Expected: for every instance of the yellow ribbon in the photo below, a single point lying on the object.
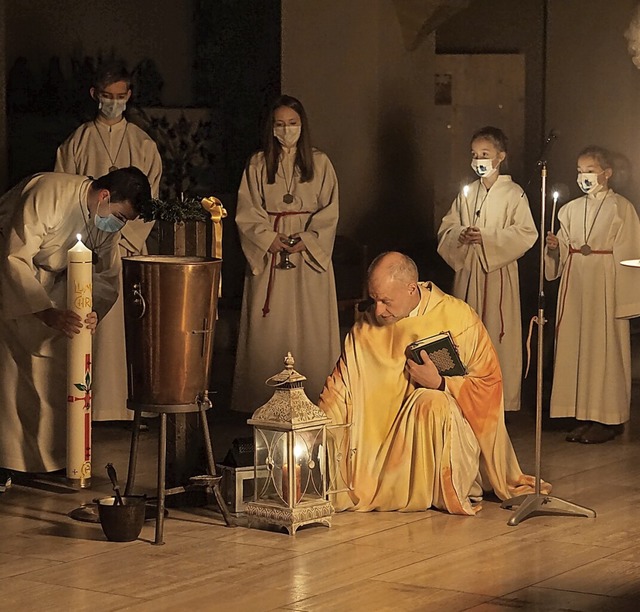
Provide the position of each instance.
(214, 207)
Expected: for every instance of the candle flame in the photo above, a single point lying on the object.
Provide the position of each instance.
(79, 237)
(556, 195)
(465, 190)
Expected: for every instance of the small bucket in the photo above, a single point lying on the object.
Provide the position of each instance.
(122, 523)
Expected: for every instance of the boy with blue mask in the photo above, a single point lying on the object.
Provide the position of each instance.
(111, 223)
(596, 298)
(40, 219)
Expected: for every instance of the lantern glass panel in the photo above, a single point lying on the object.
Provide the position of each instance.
(309, 448)
(270, 457)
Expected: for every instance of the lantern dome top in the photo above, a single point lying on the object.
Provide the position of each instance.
(287, 378)
(289, 408)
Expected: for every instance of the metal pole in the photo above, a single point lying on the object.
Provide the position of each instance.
(537, 502)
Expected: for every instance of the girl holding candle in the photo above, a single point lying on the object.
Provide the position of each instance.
(596, 297)
(487, 229)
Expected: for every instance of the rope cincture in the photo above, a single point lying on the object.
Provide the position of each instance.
(563, 296)
(272, 267)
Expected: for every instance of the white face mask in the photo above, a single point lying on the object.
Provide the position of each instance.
(111, 109)
(484, 168)
(588, 181)
(287, 135)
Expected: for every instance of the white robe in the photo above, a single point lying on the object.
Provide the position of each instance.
(486, 275)
(303, 317)
(85, 152)
(596, 297)
(39, 221)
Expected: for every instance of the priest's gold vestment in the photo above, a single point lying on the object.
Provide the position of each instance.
(412, 448)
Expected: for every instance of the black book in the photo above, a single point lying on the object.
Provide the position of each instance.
(442, 351)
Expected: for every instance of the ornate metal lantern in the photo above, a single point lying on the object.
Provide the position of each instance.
(290, 479)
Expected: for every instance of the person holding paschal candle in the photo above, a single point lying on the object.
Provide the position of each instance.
(596, 298)
(40, 219)
(487, 229)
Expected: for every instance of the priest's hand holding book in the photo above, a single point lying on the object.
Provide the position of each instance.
(425, 374)
(430, 359)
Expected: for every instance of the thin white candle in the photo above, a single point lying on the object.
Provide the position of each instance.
(553, 210)
(80, 301)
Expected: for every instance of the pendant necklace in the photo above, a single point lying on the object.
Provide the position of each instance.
(478, 210)
(113, 160)
(90, 238)
(585, 249)
(287, 198)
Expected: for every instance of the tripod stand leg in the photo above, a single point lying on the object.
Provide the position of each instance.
(513, 501)
(544, 504)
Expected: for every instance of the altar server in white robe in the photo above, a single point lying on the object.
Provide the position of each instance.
(288, 189)
(487, 229)
(95, 148)
(596, 297)
(39, 221)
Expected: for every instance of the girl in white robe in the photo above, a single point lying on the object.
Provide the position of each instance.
(487, 229)
(288, 190)
(596, 297)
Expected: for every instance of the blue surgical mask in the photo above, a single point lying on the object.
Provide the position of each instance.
(110, 223)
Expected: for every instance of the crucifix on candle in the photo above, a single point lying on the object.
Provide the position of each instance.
(80, 301)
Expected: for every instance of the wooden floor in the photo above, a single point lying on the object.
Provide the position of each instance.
(375, 561)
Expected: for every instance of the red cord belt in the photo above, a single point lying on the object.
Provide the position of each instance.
(272, 269)
(563, 295)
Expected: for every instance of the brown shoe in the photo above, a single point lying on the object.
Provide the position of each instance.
(599, 433)
(575, 434)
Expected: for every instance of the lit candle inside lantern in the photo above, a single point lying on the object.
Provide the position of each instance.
(556, 195)
(80, 301)
(297, 475)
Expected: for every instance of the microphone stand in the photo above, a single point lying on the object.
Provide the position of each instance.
(537, 503)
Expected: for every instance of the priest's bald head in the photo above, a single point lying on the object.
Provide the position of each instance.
(393, 286)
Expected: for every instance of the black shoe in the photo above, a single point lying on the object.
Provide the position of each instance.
(599, 433)
(5, 480)
(575, 435)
